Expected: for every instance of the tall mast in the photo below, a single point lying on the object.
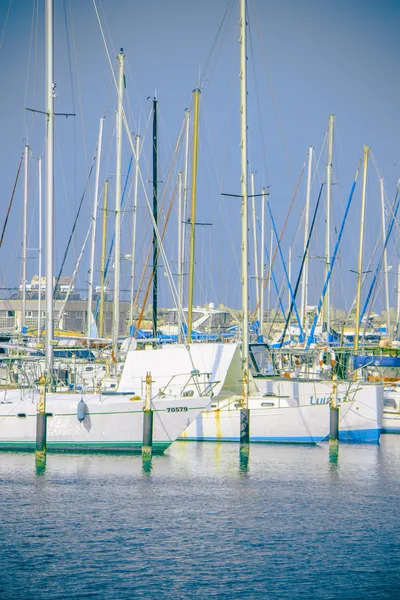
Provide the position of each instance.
(361, 247)
(326, 308)
(253, 210)
(49, 187)
(103, 262)
(196, 96)
(271, 246)
(289, 276)
(134, 221)
(398, 301)
(94, 223)
(244, 204)
(262, 254)
(304, 280)
(180, 256)
(24, 234)
(39, 319)
(117, 253)
(185, 191)
(385, 265)
(155, 216)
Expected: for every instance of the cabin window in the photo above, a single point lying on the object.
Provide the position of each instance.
(21, 415)
(267, 403)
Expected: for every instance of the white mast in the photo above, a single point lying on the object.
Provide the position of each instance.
(304, 279)
(361, 249)
(180, 256)
(262, 261)
(118, 187)
(244, 206)
(24, 234)
(253, 206)
(49, 187)
(271, 245)
(398, 301)
(94, 223)
(326, 320)
(39, 319)
(134, 221)
(289, 277)
(385, 265)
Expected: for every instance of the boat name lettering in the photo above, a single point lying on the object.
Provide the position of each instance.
(322, 400)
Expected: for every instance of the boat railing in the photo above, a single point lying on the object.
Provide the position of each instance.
(189, 384)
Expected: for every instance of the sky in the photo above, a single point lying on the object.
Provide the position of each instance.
(306, 60)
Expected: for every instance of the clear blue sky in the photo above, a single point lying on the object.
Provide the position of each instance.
(306, 60)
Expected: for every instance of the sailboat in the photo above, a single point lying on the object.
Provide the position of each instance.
(96, 421)
(281, 409)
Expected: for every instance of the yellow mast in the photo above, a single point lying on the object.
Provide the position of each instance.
(361, 248)
(196, 96)
(103, 262)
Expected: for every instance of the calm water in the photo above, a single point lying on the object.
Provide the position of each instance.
(202, 524)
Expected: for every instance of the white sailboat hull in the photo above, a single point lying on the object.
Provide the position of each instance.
(291, 420)
(112, 422)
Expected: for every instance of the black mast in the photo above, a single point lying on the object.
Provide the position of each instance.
(155, 214)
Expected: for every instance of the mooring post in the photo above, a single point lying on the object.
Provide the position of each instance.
(244, 426)
(244, 411)
(147, 420)
(334, 415)
(41, 423)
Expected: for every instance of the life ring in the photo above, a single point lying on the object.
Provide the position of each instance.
(322, 359)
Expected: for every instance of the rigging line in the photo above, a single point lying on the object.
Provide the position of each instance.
(74, 225)
(391, 215)
(301, 266)
(208, 60)
(74, 274)
(332, 261)
(84, 141)
(284, 141)
(394, 252)
(388, 234)
(174, 291)
(285, 270)
(31, 37)
(364, 276)
(5, 24)
(111, 249)
(266, 278)
(11, 200)
(264, 152)
(178, 143)
(69, 52)
(139, 321)
(221, 205)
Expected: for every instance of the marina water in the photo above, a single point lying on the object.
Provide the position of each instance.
(203, 522)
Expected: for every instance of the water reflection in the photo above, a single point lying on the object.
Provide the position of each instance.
(147, 464)
(40, 462)
(334, 453)
(244, 456)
